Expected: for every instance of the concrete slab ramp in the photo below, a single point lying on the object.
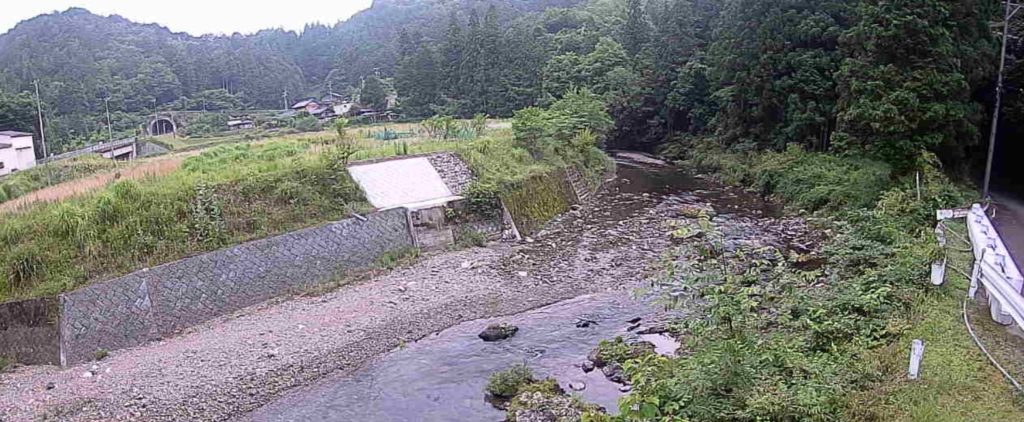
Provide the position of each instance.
(395, 183)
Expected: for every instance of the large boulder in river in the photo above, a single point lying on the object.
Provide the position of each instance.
(498, 332)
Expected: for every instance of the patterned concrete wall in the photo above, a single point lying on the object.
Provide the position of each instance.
(29, 333)
(154, 303)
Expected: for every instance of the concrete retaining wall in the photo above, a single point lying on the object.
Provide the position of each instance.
(158, 302)
(29, 332)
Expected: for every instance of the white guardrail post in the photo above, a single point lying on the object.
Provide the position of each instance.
(995, 270)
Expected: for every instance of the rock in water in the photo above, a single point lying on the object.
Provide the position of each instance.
(587, 366)
(614, 373)
(498, 332)
(577, 385)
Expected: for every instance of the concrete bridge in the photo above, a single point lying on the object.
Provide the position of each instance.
(123, 149)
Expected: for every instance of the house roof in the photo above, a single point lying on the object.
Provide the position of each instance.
(239, 122)
(320, 110)
(14, 133)
(303, 103)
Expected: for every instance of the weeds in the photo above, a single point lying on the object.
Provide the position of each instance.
(506, 384)
(468, 238)
(398, 258)
(227, 195)
(777, 343)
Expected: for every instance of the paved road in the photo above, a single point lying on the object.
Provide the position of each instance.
(1009, 222)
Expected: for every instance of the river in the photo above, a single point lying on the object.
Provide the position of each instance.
(442, 377)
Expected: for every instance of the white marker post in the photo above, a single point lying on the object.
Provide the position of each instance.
(916, 355)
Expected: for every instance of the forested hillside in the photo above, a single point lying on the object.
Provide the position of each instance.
(80, 59)
(887, 78)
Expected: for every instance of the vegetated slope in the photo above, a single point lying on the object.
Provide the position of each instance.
(235, 193)
(81, 58)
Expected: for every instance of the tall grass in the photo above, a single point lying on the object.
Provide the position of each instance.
(227, 195)
(27, 181)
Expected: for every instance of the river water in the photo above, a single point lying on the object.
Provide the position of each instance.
(442, 377)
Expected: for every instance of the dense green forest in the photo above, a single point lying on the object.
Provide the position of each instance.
(881, 77)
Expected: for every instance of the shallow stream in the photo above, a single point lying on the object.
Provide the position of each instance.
(442, 377)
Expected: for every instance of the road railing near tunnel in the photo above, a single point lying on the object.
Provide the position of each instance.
(994, 270)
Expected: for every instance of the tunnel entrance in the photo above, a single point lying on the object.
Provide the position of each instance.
(162, 127)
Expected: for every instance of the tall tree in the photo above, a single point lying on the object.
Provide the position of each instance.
(636, 33)
(903, 85)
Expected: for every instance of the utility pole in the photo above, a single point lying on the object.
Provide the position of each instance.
(39, 110)
(42, 133)
(1011, 10)
(110, 132)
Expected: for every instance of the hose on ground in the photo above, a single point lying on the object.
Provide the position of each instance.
(977, 341)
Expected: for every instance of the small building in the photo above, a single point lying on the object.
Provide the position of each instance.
(307, 105)
(240, 124)
(323, 113)
(16, 152)
(344, 109)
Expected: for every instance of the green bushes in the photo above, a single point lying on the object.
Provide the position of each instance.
(812, 181)
(781, 344)
(565, 131)
(306, 123)
(226, 195)
(506, 384)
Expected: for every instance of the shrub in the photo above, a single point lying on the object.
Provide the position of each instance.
(306, 124)
(468, 238)
(776, 343)
(506, 384)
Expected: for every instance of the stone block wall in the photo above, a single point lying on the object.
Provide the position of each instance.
(455, 173)
(29, 333)
(158, 302)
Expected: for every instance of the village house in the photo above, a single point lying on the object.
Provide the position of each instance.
(16, 152)
(308, 105)
(239, 124)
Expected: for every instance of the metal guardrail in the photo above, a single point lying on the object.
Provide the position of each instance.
(995, 270)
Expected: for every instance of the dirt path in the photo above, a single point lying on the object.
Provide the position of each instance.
(235, 364)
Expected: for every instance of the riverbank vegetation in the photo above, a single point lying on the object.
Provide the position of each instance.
(773, 342)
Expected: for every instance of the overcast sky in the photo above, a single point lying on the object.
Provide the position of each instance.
(197, 17)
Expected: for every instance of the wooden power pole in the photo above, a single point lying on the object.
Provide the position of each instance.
(1011, 10)
(39, 110)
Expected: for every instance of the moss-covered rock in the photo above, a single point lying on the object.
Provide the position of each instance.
(545, 401)
(619, 351)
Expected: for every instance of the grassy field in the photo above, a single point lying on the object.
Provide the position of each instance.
(186, 203)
